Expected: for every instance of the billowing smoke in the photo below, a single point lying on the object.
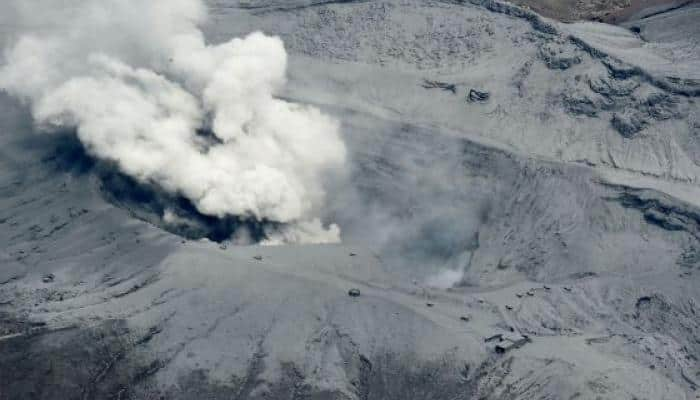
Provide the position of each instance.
(144, 91)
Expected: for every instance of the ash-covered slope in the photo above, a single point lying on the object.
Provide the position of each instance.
(521, 220)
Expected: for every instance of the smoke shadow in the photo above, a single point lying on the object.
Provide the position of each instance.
(146, 201)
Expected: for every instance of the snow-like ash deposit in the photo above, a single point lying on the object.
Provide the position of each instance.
(138, 83)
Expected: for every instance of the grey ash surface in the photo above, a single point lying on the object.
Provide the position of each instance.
(563, 209)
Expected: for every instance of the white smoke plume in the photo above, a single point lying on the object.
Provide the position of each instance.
(137, 81)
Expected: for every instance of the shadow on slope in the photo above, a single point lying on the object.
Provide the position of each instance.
(148, 202)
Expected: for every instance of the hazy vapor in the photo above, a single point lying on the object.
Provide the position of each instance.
(140, 85)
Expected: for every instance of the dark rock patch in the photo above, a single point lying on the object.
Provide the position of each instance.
(612, 87)
(580, 105)
(628, 124)
(477, 96)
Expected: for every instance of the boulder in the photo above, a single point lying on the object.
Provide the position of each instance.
(478, 96)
